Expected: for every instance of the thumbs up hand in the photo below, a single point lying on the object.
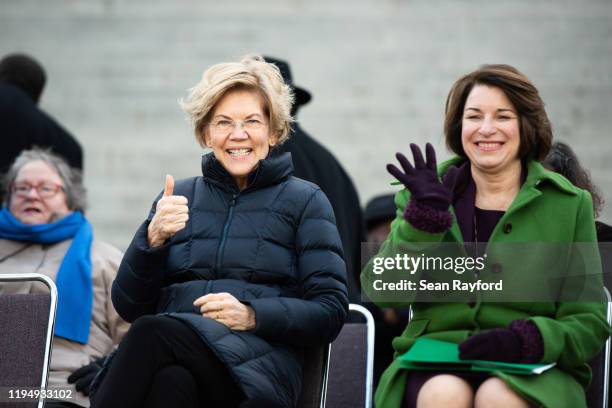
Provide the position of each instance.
(171, 216)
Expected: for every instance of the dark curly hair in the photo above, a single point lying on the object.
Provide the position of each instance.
(563, 160)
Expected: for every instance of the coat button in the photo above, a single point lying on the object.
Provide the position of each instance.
(496, 268)
(507, 228)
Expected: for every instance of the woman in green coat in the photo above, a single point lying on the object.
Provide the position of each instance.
(496, 192)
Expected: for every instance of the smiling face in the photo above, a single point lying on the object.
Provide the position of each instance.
(26, 203)
(239, 134)
(490, 132)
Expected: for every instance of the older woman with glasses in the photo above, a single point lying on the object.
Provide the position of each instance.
(43, 230)
(234, 272)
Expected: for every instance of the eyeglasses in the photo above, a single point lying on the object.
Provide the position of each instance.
(225, 126)
(44, 190)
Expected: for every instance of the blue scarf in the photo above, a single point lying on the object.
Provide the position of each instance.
(73, 280)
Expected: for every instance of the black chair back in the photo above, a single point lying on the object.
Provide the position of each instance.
(26, 329)
(351, 364)
(314, 383)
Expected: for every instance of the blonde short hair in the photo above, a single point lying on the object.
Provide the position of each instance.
(252, 73)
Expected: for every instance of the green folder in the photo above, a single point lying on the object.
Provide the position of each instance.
(430, 354)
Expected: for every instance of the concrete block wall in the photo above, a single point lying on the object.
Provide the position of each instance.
(379, 71)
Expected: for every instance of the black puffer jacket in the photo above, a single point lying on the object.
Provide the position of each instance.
(274, 246)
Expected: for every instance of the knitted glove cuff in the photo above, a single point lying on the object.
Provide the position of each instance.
(532, 345)
(428, 219)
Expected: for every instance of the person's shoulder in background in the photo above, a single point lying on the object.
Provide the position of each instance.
(604, 232)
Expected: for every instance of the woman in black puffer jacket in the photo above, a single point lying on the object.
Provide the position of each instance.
(233, 273)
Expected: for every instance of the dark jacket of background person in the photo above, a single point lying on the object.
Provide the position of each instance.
(274, 246)
(604, 235)
(314, 163)
(23, 125)
(563, 160)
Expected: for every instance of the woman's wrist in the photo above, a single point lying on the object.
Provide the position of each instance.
(427, 218)
(251, 321)
(153, 237)
(532, 344)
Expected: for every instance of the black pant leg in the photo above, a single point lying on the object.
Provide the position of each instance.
(156, 342)
(173, 386)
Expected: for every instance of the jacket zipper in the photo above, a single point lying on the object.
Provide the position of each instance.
(226, 226)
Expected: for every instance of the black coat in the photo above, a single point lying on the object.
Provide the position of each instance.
(274, 246)
(313, 162)
(23, 125)
(604, 236)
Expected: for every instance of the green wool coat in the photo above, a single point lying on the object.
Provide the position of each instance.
(548, 208)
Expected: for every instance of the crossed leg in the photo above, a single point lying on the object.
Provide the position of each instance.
(495, 393)
(445, 390)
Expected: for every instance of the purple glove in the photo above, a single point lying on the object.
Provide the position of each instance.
(521, 342)
(422, 179)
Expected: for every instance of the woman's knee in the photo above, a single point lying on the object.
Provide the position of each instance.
(173, 375)
(445, 391)
(145, 329)
(495, 393)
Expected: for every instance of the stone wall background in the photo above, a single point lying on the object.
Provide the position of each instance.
(379, 71)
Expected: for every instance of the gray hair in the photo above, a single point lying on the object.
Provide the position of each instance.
(76, 195)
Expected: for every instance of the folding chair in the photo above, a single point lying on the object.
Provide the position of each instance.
(26, 334)
(314, 384)
(351, 371)
(598, 393)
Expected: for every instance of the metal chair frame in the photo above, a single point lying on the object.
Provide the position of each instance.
(325, 377)
(369, 321)
(322, 385)
(606, 378)
(28, 277)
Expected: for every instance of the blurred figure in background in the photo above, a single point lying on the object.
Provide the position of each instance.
(563, 160)
(378, 215)
(313, 162)
(22, 124)
(43, 230)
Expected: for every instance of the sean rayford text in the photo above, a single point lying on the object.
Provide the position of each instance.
(412, 264)
(424, 285)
